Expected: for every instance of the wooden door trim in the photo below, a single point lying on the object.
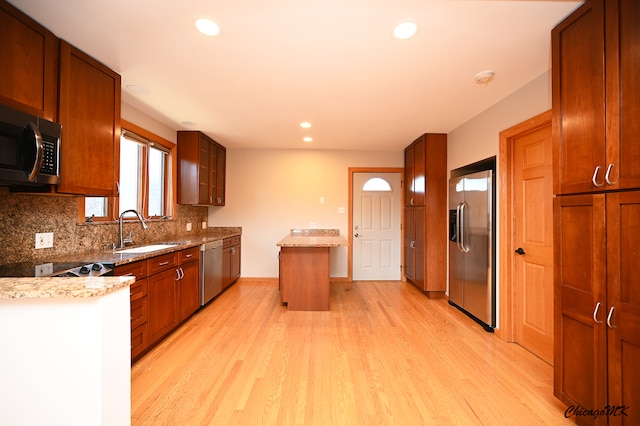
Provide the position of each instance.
(353, 170)
(505, 212)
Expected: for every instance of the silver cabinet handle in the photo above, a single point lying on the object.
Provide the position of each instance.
(412, 244)
(411, 201)
(609, 318)
(595, 314)
(595, 175)
(608, 174)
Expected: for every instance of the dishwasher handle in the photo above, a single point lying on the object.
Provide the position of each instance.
(211, 245)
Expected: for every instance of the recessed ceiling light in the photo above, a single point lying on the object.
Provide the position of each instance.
(305, 124)
(307, 139)
(207, 27)
(139, 90)
(188, 123)
(405, 30)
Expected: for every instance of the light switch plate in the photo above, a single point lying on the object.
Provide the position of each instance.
(188, 226)
(44, 240)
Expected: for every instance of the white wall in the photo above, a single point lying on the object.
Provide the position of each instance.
(269, 192)
(479, 138)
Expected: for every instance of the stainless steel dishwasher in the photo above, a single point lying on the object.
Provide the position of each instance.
(210, 271)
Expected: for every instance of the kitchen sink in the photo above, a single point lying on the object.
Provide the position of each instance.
(146, 249)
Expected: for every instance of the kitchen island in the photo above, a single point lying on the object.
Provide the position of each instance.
(65, 351)
(304, 268)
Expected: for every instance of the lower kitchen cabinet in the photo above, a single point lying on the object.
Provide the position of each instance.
(597, 304)
(162, 304)
(188, 284)
(231, 250)
(166, 293)
(139, 304)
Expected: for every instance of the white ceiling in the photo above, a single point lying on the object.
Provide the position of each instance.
(334, 63)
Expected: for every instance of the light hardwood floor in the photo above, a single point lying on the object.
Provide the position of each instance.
(384, 354)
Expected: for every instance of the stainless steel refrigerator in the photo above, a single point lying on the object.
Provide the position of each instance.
(471, 246)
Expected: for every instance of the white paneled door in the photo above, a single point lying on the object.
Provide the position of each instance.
(376, 226)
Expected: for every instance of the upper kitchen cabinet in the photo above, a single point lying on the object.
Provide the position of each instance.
(201, 170)
(29, 68)
(596, 98)
(89, 113)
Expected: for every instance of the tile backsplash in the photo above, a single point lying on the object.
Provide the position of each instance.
(24, 215)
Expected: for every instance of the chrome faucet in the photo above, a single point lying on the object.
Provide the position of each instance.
(144, 225)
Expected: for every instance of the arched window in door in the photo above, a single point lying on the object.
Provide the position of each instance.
(376, 184)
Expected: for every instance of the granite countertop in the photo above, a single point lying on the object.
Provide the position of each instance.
(313, 238)
(49, 287)
(18, 280)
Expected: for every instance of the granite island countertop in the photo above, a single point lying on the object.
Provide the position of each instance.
(313, 238)
(52, 287)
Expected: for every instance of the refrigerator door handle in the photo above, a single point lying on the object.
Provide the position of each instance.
(463, 247)
(459, 235)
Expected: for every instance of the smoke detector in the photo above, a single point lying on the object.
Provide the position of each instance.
(484, 77)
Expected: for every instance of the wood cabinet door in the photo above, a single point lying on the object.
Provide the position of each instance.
(409, 238)
(226, 267)
(29, 65)
(162, 304)
(578, 99)
(623, 307)
(580, 305)
(221, 170)
(188, 290)
(419, 248)
(408, 175)
(235, 261)
(623, 94)
(204, 174)
(89, 112)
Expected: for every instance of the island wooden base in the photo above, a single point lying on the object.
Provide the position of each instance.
(304, 278)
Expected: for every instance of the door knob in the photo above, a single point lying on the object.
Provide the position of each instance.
(520, 251)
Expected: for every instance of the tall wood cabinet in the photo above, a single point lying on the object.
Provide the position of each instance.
(201, 170)
(425, 214)
(29, 67)
(597, 209)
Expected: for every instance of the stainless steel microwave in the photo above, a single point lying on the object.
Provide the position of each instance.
(29, 149)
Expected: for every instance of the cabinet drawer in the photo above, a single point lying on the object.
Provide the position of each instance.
(138, 340)
(138, 289)
(189, 254)
(231, 241)
(135, 269)
(161, 263)
(139, 312)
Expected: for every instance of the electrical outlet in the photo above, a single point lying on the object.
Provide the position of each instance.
(188, 226)
(204, 225)
(44, 240)
(313, 225)
(44, 269)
